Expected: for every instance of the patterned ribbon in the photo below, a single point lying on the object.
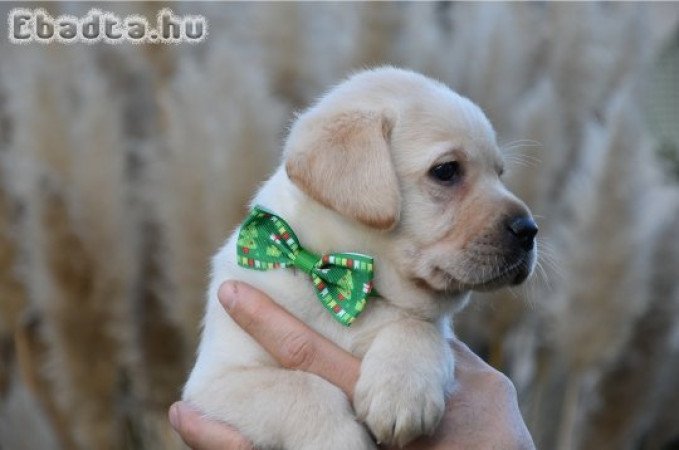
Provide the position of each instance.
(342, 281)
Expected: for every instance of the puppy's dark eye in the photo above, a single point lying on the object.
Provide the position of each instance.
(447, 173)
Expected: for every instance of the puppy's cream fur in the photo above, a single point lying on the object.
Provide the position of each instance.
(356, 178)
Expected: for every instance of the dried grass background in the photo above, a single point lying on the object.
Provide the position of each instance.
(122, 168)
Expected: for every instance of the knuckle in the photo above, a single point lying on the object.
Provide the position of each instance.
(298, 351)
(500, 383)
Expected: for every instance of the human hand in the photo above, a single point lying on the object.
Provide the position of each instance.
(481, 413)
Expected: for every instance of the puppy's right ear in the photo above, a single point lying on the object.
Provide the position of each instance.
(343, 161)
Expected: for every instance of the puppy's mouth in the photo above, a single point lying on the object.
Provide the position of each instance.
(508, 274)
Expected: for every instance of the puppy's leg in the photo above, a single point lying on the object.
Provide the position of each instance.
(405, 376)
(279, 408)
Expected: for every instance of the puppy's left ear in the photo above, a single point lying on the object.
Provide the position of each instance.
(343, 161)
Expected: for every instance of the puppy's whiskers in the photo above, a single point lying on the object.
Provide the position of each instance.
(512, 292)
(521, 142)
(541, 275)
(547, 255)
(515, 157)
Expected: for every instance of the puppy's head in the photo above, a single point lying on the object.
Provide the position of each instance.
(402, 153)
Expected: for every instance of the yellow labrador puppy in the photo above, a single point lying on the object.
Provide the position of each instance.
(399, 167)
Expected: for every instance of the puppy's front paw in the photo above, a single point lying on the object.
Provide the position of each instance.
(398, 406)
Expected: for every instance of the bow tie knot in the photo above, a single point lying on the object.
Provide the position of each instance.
(342, 281)
(306, 261)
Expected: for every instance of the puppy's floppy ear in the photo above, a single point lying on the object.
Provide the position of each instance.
(343, 161)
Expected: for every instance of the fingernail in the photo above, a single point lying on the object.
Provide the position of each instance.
(174, 416)
(228, 293)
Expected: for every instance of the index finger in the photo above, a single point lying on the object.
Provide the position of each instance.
(290, 341)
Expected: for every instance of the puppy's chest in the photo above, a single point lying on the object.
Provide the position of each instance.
(293, 289)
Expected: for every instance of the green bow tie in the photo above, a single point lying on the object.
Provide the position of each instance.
(342, 281)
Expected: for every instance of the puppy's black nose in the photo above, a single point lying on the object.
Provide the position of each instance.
(524, 229)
